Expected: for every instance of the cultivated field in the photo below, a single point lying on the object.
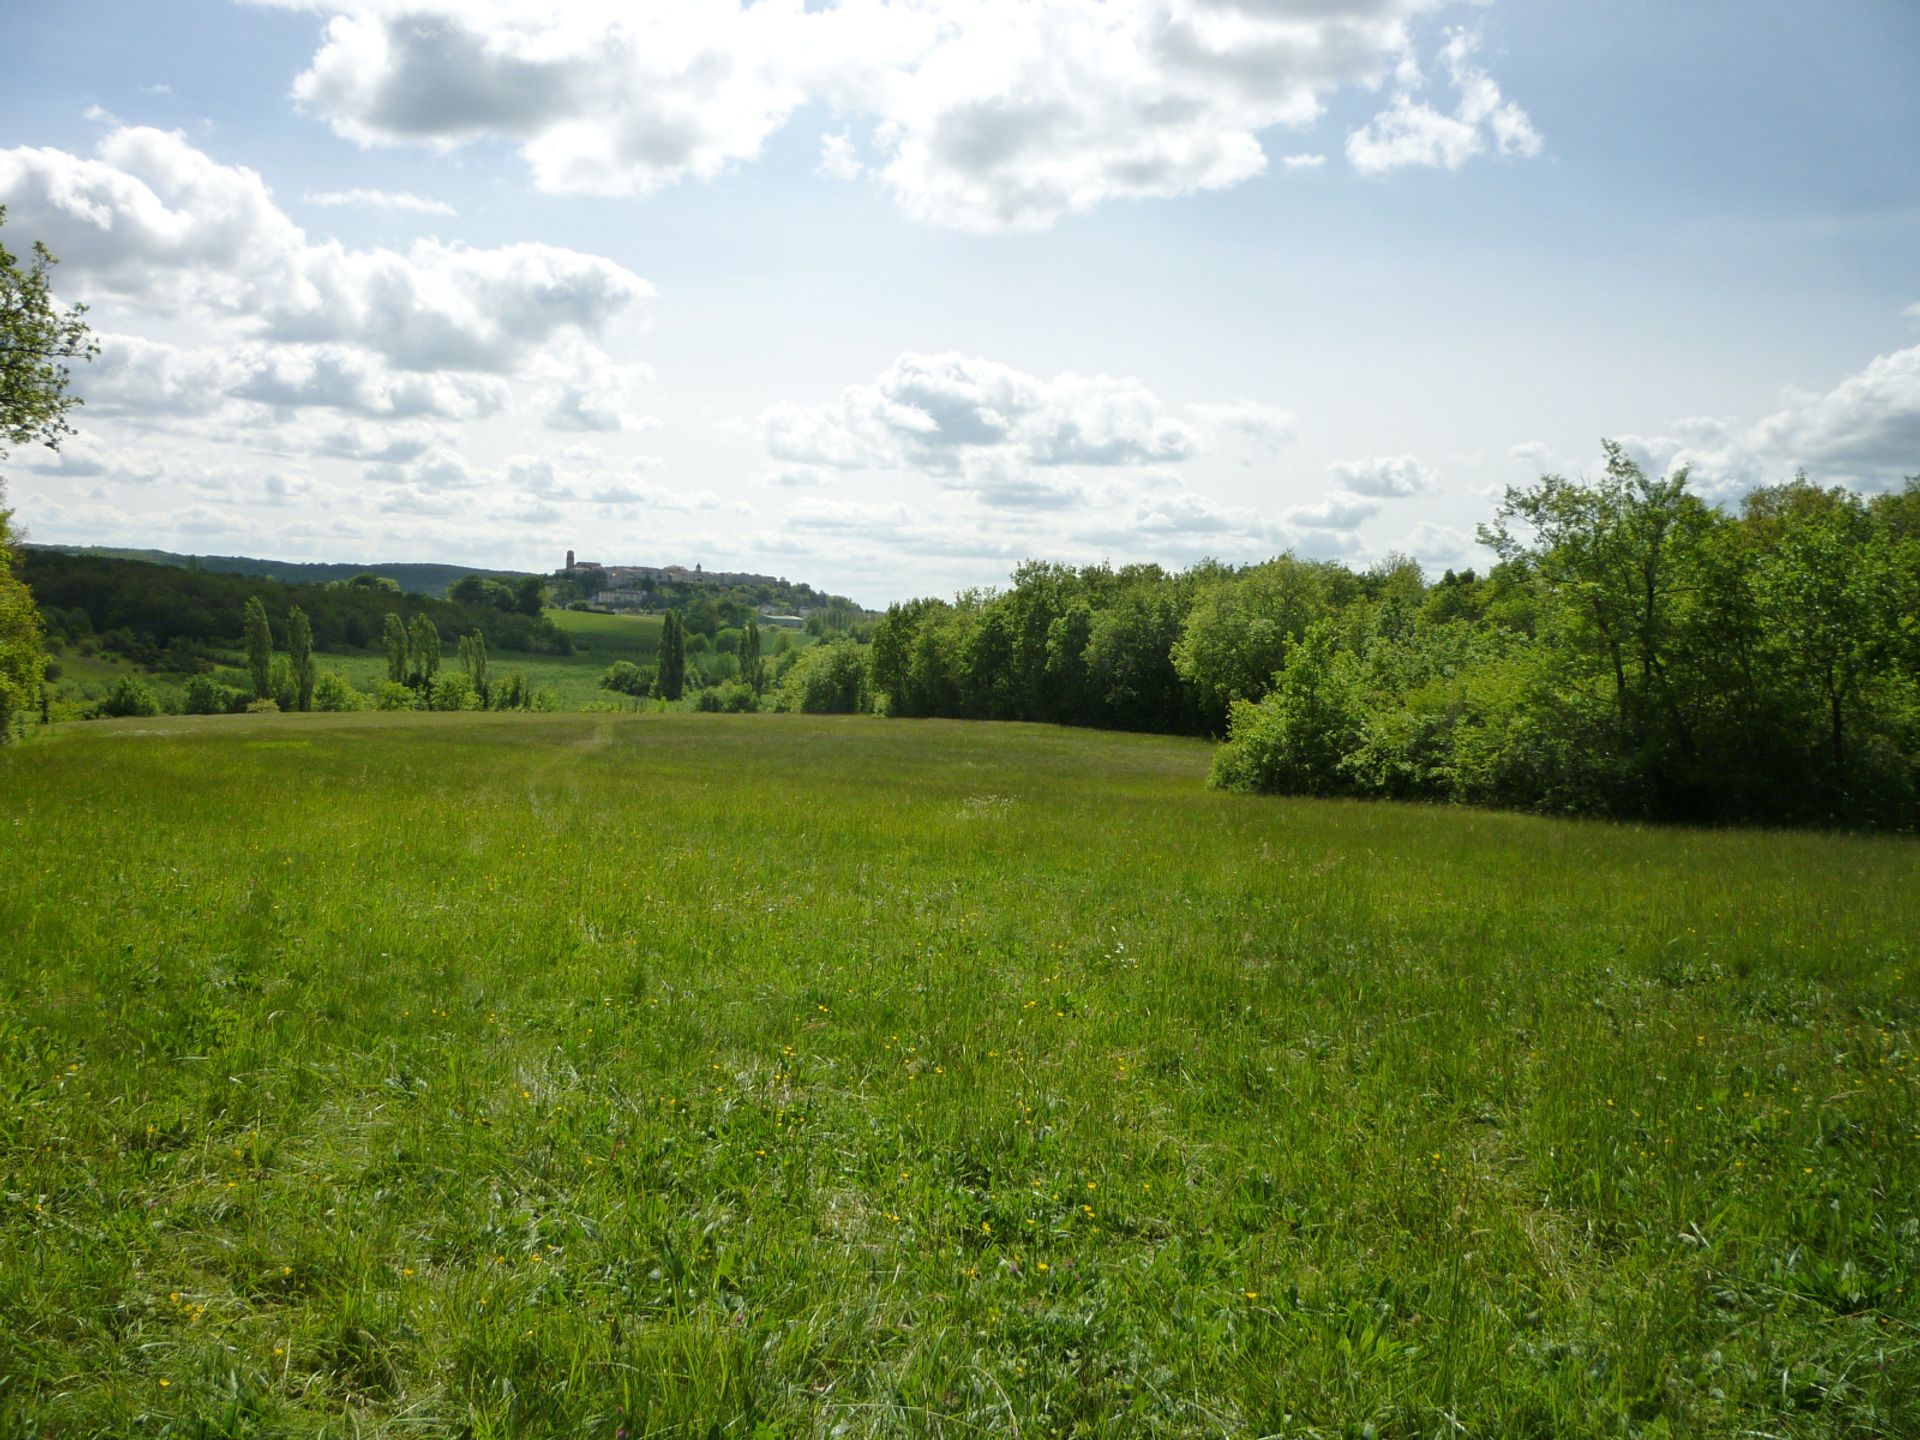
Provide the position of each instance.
(762, 1076)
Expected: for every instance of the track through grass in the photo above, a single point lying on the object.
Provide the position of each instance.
(772, 1076)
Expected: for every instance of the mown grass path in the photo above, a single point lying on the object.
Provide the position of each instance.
(771, 1076)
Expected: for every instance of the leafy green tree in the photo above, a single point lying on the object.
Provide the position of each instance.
(259, 643)
(672, 675)
(37, 338)
(1238, 632)
(530, 595)
(753, 666)
(473, 658)
(393, 640)
(300, 656)
(423, 652)
(22, 657)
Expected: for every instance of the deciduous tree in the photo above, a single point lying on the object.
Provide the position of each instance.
(259, 640)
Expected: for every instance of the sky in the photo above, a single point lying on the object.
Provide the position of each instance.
(889, 295)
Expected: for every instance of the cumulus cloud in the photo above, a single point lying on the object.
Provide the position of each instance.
(399, 201)
(1412, 132)
(1530, 453)
(838, 158)
(151, 218)
(1385, 476)
(1340, 510)
(982, 114)
(975, 424)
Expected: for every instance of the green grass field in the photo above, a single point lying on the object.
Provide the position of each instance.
(486, 1075)
(572, 680)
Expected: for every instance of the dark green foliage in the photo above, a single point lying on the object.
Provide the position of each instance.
(407, 577)
(423, 652)
(206, 696)
(627, 678)
(393, 641)
(671, 678)
(729, 698)
(22, 664)
(473, 659)
(830, 678)
(1636, 653)
(753, 666)
(300, 657)
(130, 696)
(147, 607)
(259, 645)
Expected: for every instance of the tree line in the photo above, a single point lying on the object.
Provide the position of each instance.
(169, 618)
(1632, 652)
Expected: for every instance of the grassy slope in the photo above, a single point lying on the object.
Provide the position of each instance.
(574, 679)
(541, 1075)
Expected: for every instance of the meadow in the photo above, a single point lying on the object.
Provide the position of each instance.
(571, 681)
(776, 1076)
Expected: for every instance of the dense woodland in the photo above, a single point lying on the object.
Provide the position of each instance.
(1634, 652)
(169, 618)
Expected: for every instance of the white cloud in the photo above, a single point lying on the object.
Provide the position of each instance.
(1864, 432)
(1531, 453)
(401, 201)
(154, 220)
(838, 158)
(1437, 547)
(1388, 476)
(1340, 510)
(983, 114)
(1412, 132)
(1912, 312)
(975, 424)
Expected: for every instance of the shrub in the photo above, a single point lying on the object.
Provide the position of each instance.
(392, 695)
(263, 707)
(129, 697)
(731, 698)
(627, 678)
(333, 692)
(205, 695)
(827, 679)
(452, 690)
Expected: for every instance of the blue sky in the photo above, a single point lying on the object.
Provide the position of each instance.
(1075, 303)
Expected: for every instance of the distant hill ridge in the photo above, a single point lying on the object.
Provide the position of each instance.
(414, 577)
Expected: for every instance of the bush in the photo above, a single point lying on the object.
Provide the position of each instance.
(452, 690)
(731, 698)
(392, 695)
(827, 679)
(129, 697)
(627, 678)
(263, 707)
(333, 692)
(205, 695)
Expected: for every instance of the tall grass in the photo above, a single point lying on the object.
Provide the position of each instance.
(766, 1076)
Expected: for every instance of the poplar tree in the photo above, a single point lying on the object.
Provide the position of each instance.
(423, 651)
(259, 648)
(753, 669)
(473, 655)
(393, 640)
(672, 678)
(300, 652)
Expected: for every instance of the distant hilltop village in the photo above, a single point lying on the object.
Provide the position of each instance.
(618, 576)
(589, 585)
